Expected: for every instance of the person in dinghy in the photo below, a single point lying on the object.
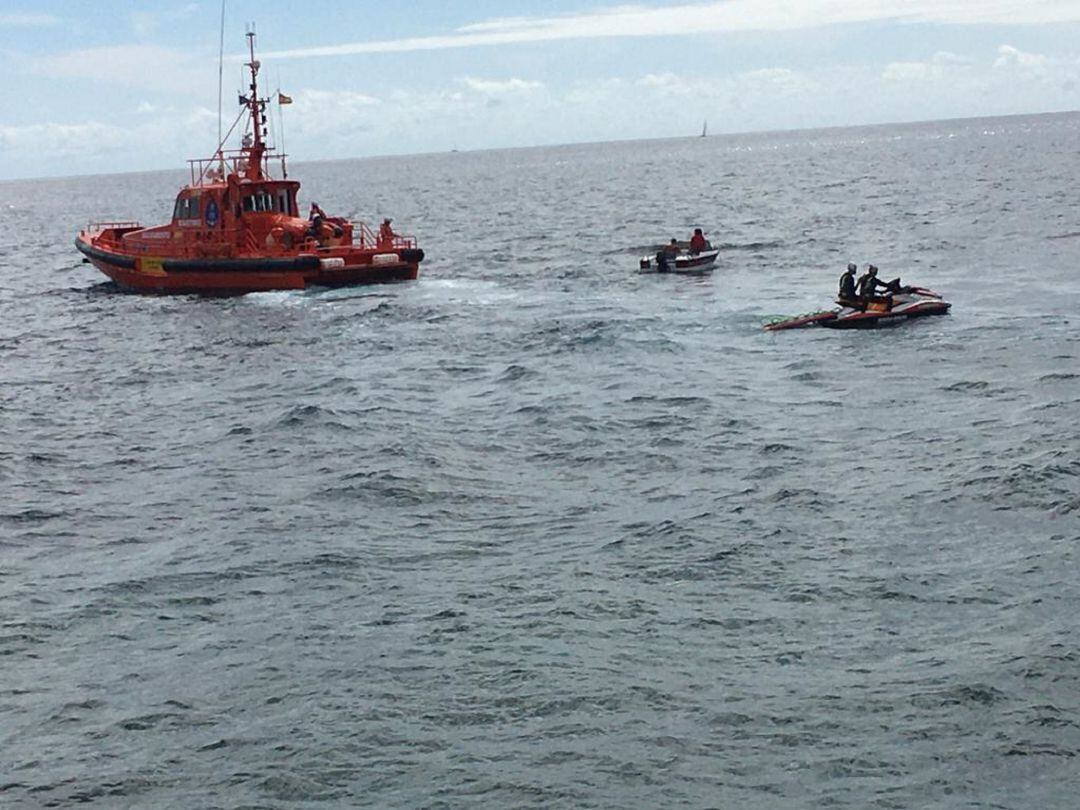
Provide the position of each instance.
(665, 257)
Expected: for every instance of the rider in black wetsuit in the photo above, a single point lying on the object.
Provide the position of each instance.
(847, 283)
(869, 282)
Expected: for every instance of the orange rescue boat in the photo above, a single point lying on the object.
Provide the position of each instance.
(236, 229)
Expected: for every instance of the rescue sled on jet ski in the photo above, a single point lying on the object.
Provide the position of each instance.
(901, 305)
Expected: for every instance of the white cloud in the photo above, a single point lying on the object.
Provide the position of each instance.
(29, 18)
(907, 71)
(770, 74)
(717, 16)
(596, 94)
(161, 138)
(490, 87)
(341, 112)
(503, 24)
(1010, 58)
(774, 83)
(779, 81)
(667, 85)
(144, 66)
(668, 81)
(312, 101)
(147, 23)
(939, 65)
(62, 140)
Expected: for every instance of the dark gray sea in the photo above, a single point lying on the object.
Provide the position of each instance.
(540, 531)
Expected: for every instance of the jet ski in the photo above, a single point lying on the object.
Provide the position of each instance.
(901, 304)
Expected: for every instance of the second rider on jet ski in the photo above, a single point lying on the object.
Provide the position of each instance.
(869, 282)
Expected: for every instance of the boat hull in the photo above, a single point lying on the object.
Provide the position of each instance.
(682, 263)
(237, 276)
(855, 319)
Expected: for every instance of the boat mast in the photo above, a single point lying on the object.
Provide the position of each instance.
(256, 106)
(220, 75)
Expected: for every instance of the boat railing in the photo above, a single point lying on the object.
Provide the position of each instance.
(222, 242)
(364, 237)
(211, 170)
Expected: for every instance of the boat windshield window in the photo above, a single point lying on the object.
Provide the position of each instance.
(259, 201)
(187, 208)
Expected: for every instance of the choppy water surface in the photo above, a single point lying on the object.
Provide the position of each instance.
(539, 531)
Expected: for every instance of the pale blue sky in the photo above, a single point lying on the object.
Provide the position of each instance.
(123, 86)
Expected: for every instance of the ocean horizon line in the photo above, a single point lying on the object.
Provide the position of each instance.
(570, 144)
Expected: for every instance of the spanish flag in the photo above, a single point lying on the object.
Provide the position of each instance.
(283, 99)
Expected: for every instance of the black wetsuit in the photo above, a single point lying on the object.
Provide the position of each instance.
(847, 286)
(867, 284)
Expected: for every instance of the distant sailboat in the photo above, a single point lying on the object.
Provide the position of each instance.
(704, 129)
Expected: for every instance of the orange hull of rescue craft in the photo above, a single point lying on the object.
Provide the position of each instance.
(236, 229)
